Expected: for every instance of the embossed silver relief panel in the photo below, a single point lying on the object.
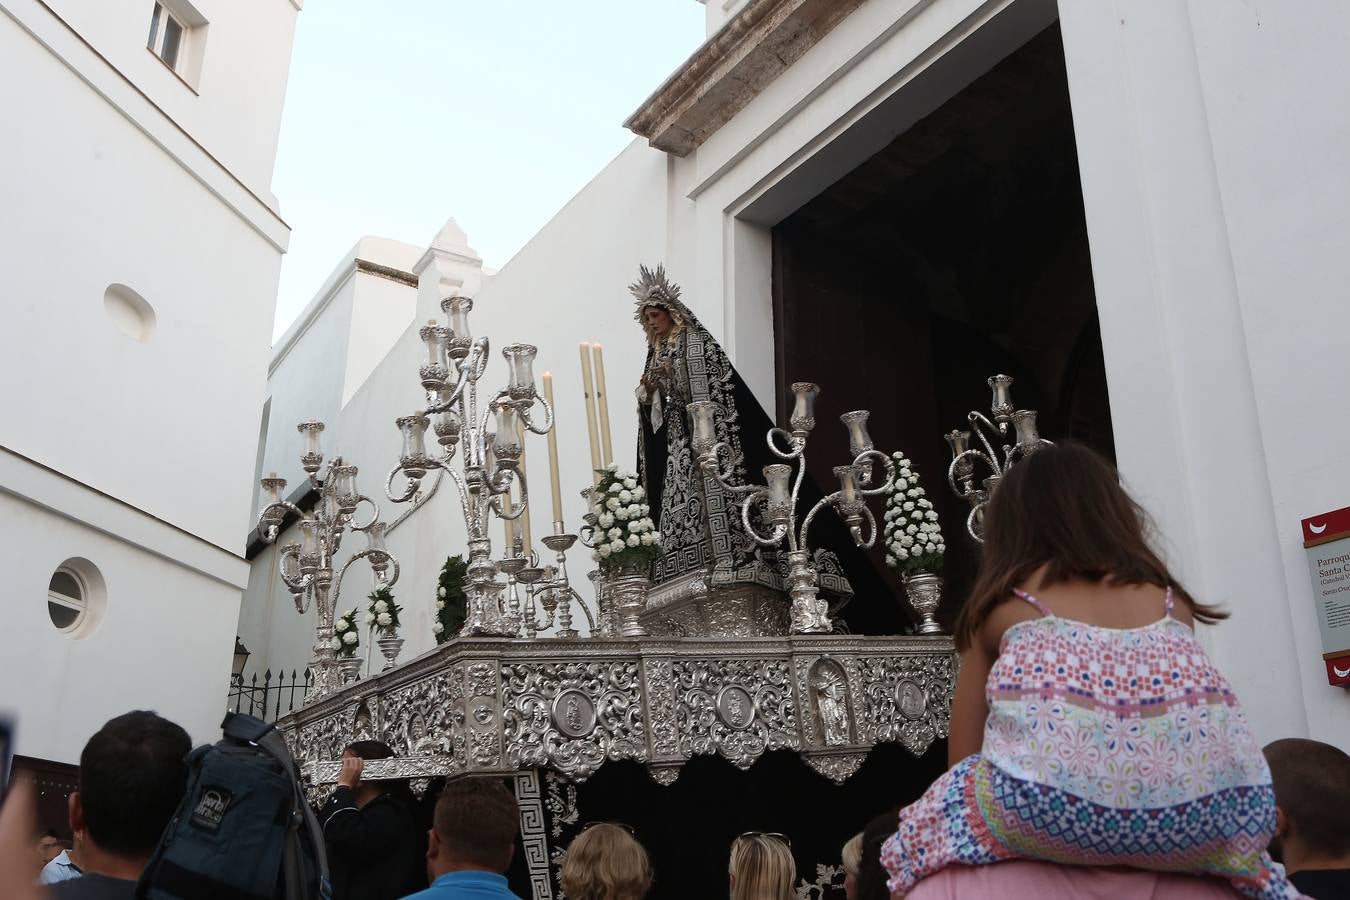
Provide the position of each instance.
(688, 607)
(737, 708)
(906, 699)
(572, 716)
(571, 707)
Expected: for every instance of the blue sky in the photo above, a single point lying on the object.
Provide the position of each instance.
(402, 113)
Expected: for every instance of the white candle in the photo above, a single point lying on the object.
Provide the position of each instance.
(508, 525)
(588, 391)
(524, 519)
(602, 396)
(556, 482)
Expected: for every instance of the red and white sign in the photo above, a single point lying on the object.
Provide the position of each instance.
(1326, 541)
(1338, 671)
(1326, 527)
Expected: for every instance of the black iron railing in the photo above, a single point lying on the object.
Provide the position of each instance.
(271, 696)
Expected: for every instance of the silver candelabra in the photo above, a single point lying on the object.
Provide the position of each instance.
(307, 567)
(777, 499)
(490, 463)
(961, 475)
(549, 594)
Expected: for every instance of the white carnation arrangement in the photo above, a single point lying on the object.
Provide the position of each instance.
(345, 636)
(912, 536)
(382, 613)
(625, 534)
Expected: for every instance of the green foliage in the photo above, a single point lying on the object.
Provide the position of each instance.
(452, 604)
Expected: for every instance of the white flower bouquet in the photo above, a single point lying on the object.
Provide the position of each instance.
(625, 534)
(345, 636)
(912, 537)
(382, 613)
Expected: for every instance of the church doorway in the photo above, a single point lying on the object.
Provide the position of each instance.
(956, 252)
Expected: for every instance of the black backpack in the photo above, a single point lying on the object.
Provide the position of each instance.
(244, 830)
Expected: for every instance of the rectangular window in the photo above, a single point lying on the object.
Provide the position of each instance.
(167, 33)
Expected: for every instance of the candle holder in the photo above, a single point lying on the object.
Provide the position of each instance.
(489, 464)
(306, 568)
(961, 472)
(776, 500)
(550, 595)
(605, 624)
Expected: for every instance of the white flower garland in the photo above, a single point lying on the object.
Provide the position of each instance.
(345, 636)
(382, 613)
(912, 536)
(625, 534)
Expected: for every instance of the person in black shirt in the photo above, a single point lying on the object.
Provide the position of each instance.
(1312, 815)
(132, 777)
(375, 848)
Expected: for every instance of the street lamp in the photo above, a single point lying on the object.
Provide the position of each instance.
(241, 655)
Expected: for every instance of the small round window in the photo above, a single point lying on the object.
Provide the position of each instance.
(67, 600)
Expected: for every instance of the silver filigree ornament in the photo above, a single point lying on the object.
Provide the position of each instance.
(488, 477)
(961, 471)
(775, 502)
(497, 707)
(308, 568)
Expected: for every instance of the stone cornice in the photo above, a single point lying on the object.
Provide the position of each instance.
(371, 268)
(731, 68)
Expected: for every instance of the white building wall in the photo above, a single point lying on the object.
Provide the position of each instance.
(232, 105)
(100, 185)
(163, 639)
(1237, 276)
(1285, 188)
(333, 346)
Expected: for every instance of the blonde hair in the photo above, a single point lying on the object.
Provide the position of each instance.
(605, 862)
(851, 855)
(761, 868)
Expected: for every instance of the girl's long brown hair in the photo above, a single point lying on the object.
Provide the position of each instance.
(1063, 507)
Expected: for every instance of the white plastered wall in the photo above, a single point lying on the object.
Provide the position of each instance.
(167, 598)
(1215, 188)
(233, 106)
(134, 455)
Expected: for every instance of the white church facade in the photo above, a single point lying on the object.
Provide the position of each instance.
(141, 246)
(1193, 326)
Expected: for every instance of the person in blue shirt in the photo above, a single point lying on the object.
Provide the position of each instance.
(471, 842)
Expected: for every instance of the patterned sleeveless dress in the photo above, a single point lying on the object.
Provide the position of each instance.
(1106, 747)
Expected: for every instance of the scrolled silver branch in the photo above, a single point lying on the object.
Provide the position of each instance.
(306, 568)
(488, 470)
(549, 595)
(961, 472)
(776, 500)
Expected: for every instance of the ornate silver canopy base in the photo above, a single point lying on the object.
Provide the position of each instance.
(496, 706)
(688, 606)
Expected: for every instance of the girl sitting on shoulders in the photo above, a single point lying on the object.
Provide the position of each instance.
(1088, 727)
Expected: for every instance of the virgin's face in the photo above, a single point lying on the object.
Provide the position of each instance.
(656, 321)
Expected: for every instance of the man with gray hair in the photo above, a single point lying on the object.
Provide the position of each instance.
(1312, 815)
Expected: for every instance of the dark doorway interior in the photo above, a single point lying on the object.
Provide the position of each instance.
(957, 252)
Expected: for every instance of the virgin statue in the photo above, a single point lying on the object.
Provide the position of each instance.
(712, 578)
